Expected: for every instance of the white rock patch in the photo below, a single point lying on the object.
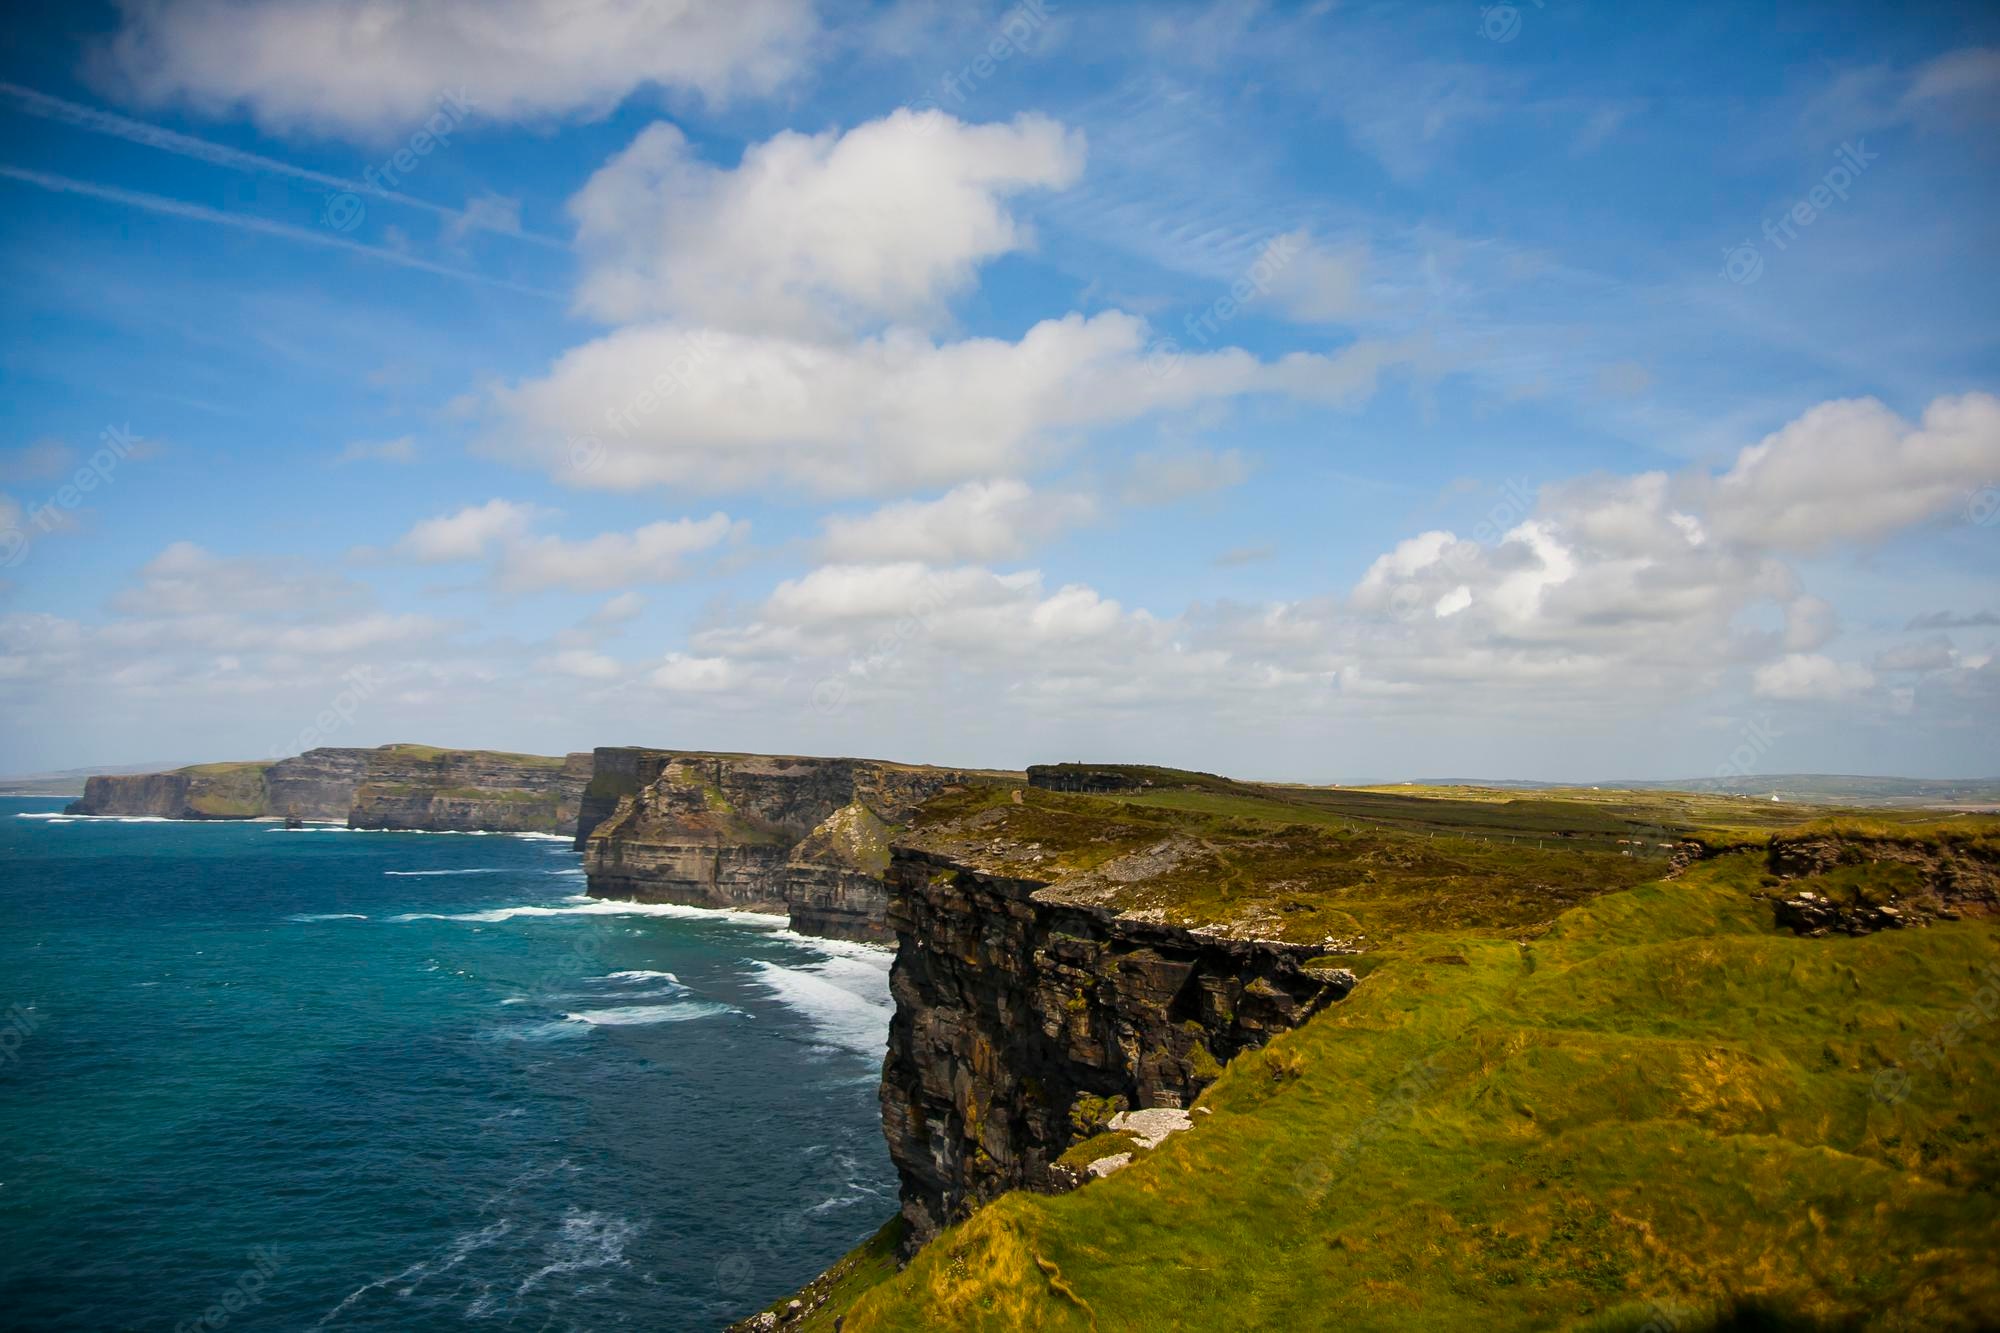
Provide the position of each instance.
(1152, 1127)
(1104, 1166)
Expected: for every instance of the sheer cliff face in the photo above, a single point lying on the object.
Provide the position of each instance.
(398, 787)
(318, 784)
(1011, 1005)
(165, 795)
(763, 833)
(470, 790)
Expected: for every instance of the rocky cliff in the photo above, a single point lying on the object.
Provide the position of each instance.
(393, 786)
(318, 784)
(414, 787)
(765, 833)
(1022, 1015)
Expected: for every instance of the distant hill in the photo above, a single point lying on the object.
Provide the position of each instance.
(1799, 788)
(67, 781)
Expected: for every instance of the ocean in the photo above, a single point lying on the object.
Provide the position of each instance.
(258, 1078)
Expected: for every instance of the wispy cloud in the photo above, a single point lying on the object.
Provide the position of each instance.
(178, 208)
(480, 216)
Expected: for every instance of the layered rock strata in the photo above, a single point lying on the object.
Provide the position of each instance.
(471, 791)
(392, 787)
(1017, 1010)
(764, 833)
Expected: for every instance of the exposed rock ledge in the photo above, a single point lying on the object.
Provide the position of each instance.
(1014, 1003)
(806, 837)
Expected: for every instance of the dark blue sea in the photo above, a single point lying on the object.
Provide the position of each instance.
(253, 1078)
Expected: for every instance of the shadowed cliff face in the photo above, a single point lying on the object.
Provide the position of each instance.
(1010, 1007)
(763, 833)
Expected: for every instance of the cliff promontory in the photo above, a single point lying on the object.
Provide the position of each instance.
(806, 837)
(1527, 1083)
(389, 787)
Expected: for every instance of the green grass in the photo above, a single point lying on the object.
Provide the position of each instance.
(1267, 865)
(1660, 1109)
(435, 754)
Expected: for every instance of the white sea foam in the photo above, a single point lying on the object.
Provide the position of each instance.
(481, 870)
(398, 832)
(584, 905)
(545, 837)
(327, 916)
(64, 817)
(446, 1260)
(587, 1240)
(635, 1015)
(847, 1009)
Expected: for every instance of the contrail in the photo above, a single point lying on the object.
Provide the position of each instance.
(159, 204)
(220, 155)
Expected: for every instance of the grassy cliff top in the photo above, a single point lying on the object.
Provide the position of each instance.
(1337, 866)
(1663, 1113)
(434, 754)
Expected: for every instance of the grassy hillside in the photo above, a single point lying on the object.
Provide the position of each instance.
(1653, 1110)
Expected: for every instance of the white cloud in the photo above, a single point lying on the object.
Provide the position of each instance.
(1809, 676)
(617, 610)
(585, 664)
(890, 413)
(653, 554)
(980, 520)
(486, 212)
(695, 675)
(1318, 285)
(376, 68)
(810, 234)
(466, 535)
(1852, 470)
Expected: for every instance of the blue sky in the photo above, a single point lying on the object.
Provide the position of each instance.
(1333, 392)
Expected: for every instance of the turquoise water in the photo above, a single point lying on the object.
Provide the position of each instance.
(254, 1078)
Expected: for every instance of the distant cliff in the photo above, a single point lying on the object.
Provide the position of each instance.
(392, 787)
(414, 787)
(765, 833)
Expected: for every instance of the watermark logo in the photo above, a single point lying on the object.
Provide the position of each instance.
(21, 1024)
(1742, 264)
(338, 715)
(117, 445)
(1500, 23)
(344, 210)
(246, 1291)
(1757, 738)
(1982, 507)
(1016, 33)
(585, 452)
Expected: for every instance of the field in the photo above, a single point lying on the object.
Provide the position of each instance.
(1594, 1101)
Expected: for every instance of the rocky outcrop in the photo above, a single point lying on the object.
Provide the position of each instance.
(392, 787)
(412, 787)
(1020, 1015)
(318, 784)
(763, 833)
(163, 795)
(1839, 882)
